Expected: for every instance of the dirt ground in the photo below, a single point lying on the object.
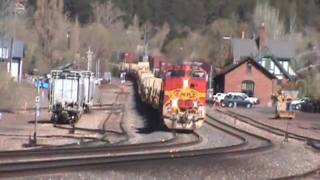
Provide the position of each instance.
(16, 129)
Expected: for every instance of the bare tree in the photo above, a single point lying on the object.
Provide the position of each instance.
(206, 44)
(75, 37)
(106, 13)
(6, 13)
(48, 18)
(271, 17)
(293, 17)
(157, 41)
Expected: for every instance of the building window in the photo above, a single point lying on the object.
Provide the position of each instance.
(249, 68)
(247, 87)
(268, 64)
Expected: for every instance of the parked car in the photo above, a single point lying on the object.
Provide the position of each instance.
(219, 97)
(253, 100)
(311, 105)
(296, 104)
(236, 100)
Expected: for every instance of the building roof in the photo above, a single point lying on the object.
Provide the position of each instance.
(242, 48)
(264, 52)
(252, 61)
(281, 49)
(18, 48)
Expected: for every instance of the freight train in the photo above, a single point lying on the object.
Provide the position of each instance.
(178, 92)
(71, 94)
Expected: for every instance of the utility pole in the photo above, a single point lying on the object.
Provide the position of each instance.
(12, 38)
(98, 68)
(10, 55)
(89, 58)
(210, 78)
(210, 90)
(146, 44)
(37, 109)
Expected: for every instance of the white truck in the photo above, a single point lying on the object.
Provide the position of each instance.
(71, 93)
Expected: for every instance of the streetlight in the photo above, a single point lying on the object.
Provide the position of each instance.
(89, 57)
(68, 39)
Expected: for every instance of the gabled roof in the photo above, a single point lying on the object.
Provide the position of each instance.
(281, 49)
(252, 61)
(18, 48)
(242, 48)
(267, 52)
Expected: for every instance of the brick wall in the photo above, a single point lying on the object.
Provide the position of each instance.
(263, 84)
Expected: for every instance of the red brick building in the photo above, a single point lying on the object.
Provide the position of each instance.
(247, 76)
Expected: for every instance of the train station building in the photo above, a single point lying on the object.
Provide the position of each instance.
(259, 66)
(12, 63)
(247, 76)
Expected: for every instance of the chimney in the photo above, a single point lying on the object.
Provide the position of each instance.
(262, 36)
(242, 34)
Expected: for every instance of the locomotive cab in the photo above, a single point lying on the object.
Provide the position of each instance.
(184, 97)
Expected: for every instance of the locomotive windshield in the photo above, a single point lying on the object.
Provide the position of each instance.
(181, 73)
(178, 73)
(198, 74)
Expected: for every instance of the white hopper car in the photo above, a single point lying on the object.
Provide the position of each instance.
(71, 94)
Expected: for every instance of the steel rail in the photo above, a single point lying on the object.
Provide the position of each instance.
(268, 128)
(222, 152)
(279, 132)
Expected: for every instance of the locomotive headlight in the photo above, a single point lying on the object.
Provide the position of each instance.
(202, 110)
(174, 103)
(195, 104)
(185, 83)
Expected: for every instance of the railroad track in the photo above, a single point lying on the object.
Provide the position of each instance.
(49, 159)
(12, 162)
(252, 143)
(114, 109)
(280, 132)
(271, 129)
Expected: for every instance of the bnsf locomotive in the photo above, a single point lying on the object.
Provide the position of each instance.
(177, 91)
(184, 100)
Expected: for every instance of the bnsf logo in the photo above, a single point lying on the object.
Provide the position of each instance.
(185, 93)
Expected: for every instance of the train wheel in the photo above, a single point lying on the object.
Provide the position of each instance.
(54, 119)
(86, 109)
